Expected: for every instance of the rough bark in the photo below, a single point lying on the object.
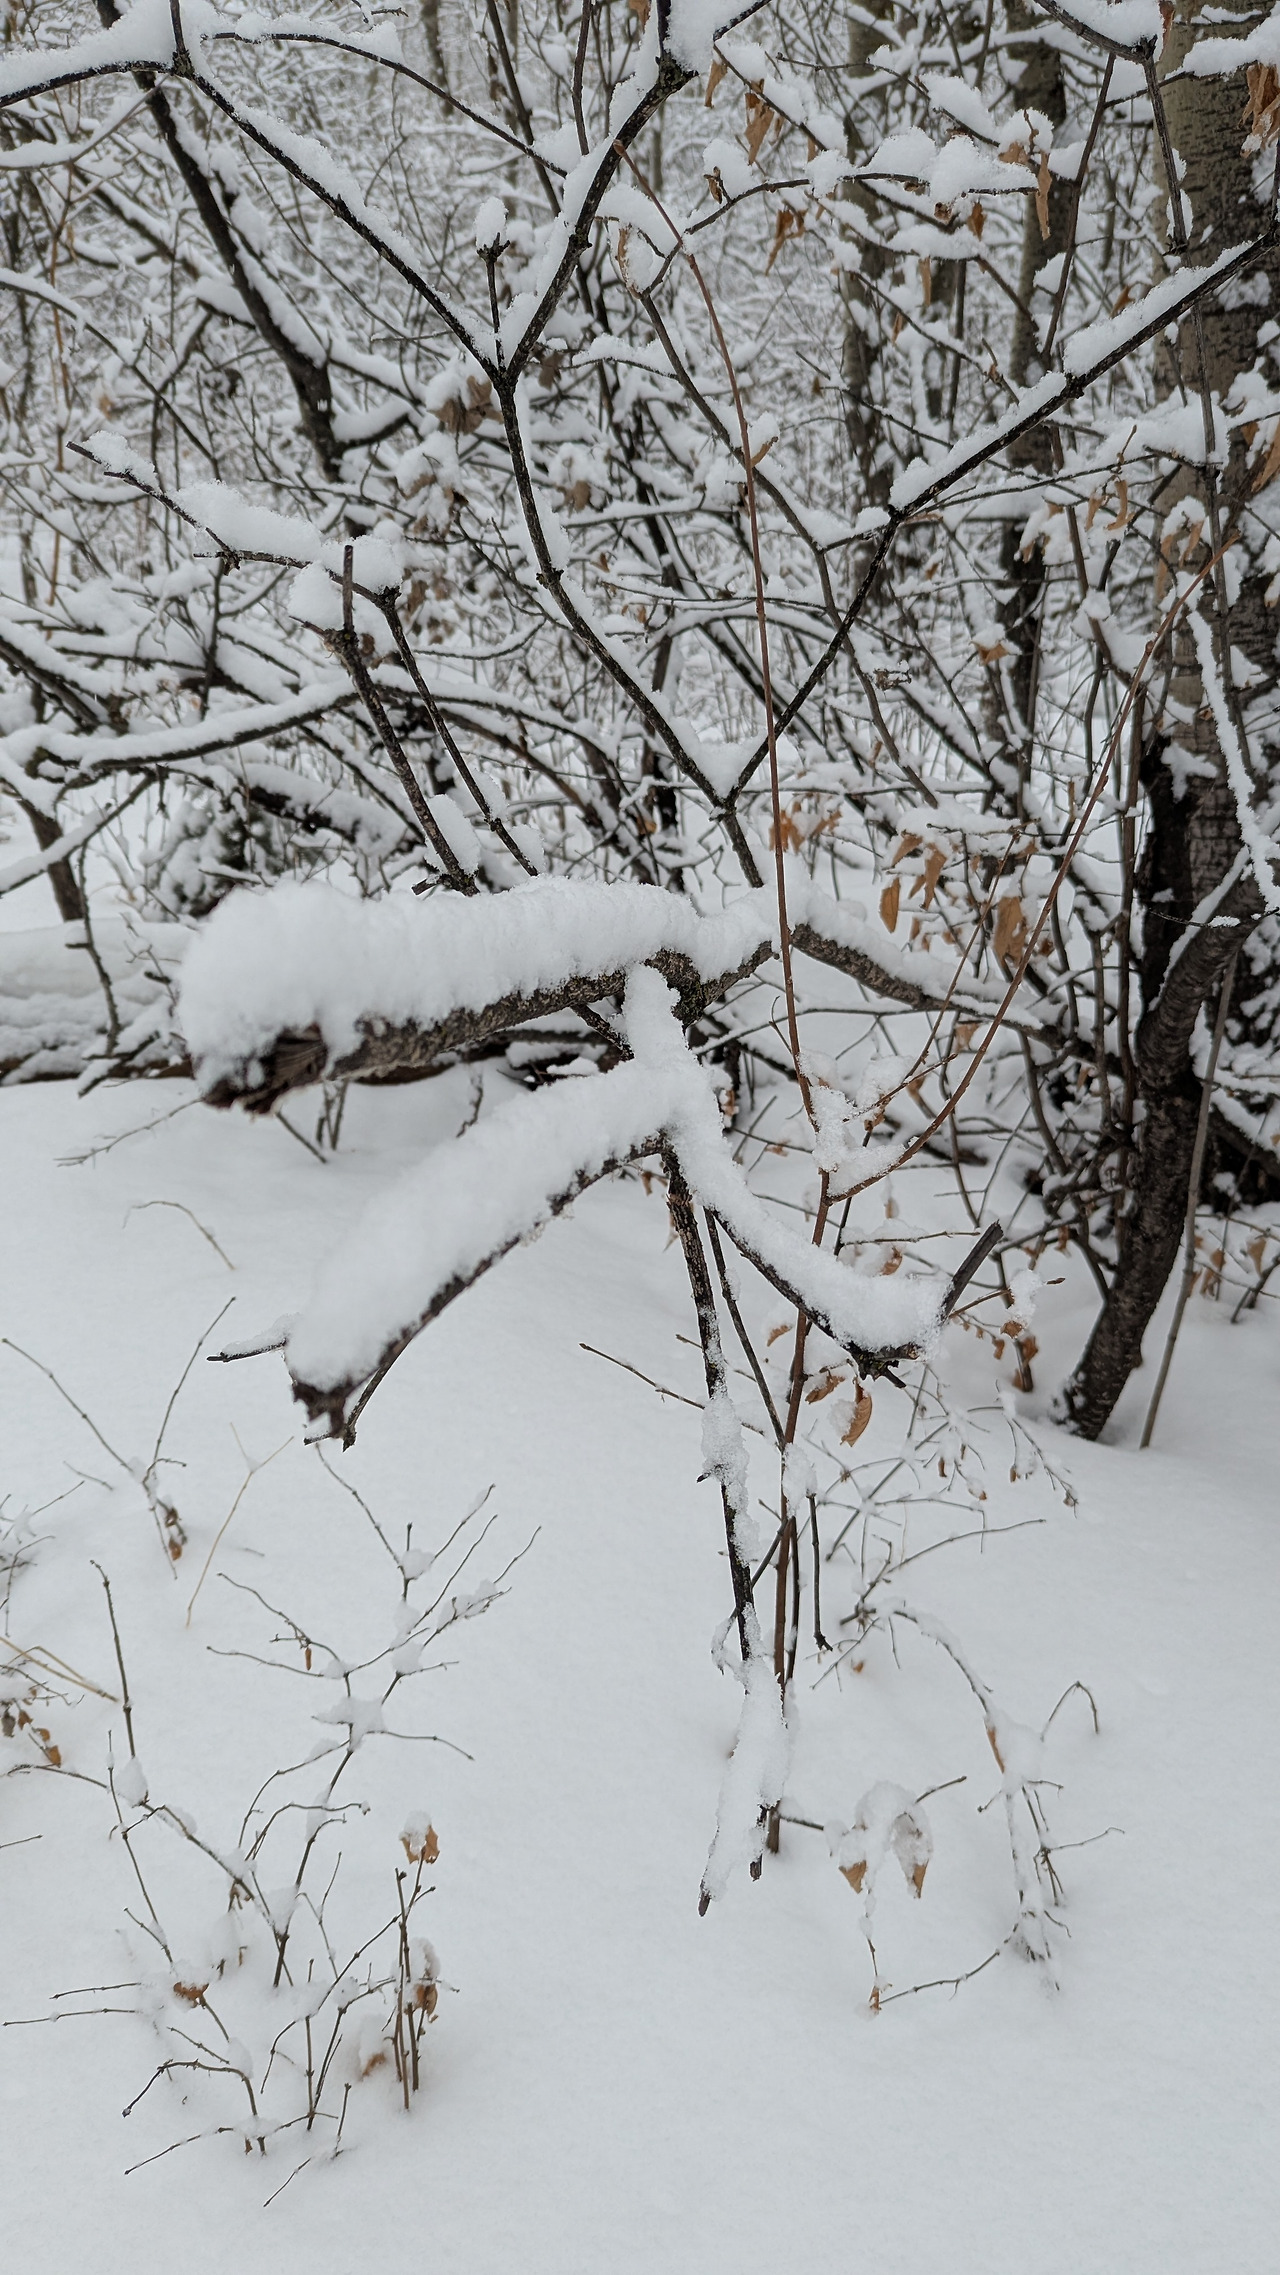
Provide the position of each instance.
(1040, 87)
(66, 889)
(390, 1050)
(864, 315)
(1193, 833)
(1151, 1227)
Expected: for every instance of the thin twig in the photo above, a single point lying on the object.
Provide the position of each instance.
(125, 1699)
(252, 1472)
(203, 1229)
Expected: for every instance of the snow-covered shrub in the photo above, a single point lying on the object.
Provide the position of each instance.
(278, 1954)
(738, 659)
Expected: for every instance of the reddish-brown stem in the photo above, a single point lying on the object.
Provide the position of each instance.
(762, 626)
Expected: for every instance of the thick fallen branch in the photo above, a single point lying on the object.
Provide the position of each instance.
(287, 987)
(440, 1228)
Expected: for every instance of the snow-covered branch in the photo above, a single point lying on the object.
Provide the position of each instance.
(428, 1238)
(284, 988)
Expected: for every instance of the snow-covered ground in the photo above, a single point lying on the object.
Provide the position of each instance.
(611, 2082)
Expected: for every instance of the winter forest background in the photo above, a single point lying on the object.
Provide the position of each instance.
(659, 624)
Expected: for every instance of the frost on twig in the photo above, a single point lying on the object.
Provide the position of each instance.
(754, 1779)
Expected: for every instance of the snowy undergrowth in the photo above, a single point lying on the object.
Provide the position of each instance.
(571, 1842)
(269, 1921)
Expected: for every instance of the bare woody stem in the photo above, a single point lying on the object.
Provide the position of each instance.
(684, 1219)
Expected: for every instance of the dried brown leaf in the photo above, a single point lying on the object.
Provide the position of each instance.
(421, 1848)
(760, 117)
(858, 1420)
(935, 861)
(1270, 466)
(830, 1379)
(1261, 113)
(1010, 935)
(788, 224)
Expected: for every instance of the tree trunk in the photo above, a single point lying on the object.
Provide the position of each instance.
(864, 314)
(1193, 831)
(1040, 87)
(66, 891)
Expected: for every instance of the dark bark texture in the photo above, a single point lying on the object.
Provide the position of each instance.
(1193, 840)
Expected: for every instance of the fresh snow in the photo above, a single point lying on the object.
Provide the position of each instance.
(603, 2074)
(467, 1203)
(305, 955)
(52, 1009)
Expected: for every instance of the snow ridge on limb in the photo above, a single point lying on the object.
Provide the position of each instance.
(434, 1233)
(142, 35)
(282, 988)
(439, 1228)
(397, 983)
(755, 1775)
(223, 729)
(874, 1320)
